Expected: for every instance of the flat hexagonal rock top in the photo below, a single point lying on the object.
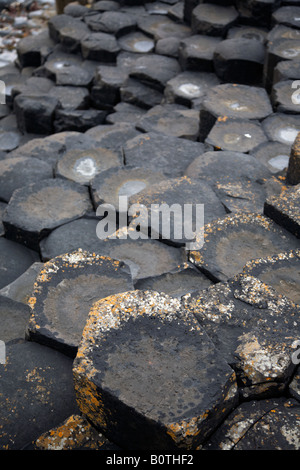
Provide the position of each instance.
(259, 425)
(189, 86)
(282, 128)
(160, 27)
(253, 327)
(230, 242)
(172, 209)
(155, 70)
(179, 388)
(167, 154)
(81, 166)
(284, 209)
(34, 210)
(36, 393)
(64, 292)
(238, 101)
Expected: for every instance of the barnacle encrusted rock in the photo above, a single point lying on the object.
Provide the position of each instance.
(253, 327)
(146, 372)
(230, 242)
(64, 292)
(281, 271)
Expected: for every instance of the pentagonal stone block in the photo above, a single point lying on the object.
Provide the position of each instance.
(101, 47)
(196, 53)
(81, 166)
(14, 317)
(167, 216)
(75, 433)
(172, 120)
(240, 61)
(108, 80)
(166, 154)
(71, 97)
(154, 70)
(272, 421)
(213, 20)
(235, 239)
(34, 210)
(293, 172)
(136, 42)
(136, 413)
(253, 328)
(35, 114)
(279, 271)
(189, 88)
(15, 259)
(284, 209)
(282, 128)
(33, 48)
(112, 136)
(16, 172)
(137, 93)
(77, 120)
(236, 135)
(108, 186)
(64, 292)
(274, 155)
(37, 392)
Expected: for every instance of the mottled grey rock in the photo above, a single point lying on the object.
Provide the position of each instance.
(15, 260)
(284, 209)
(14, 317)
(35, 114)
(196, 52)
(213, 20)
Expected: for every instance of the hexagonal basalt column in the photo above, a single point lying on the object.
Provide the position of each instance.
(64, 292)
(148, 375)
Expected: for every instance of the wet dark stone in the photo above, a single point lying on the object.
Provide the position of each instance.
(236, 135)
(15, 259)
(100, 47)
(280, 271)
(230, 242)
(35, 114)
(61, 301)
(213, 20)
(158, 330)
(158, 152)
(20, 171)
(14, 317)
(43, 389)
(34, 210)
(196, 53)
(240, 60)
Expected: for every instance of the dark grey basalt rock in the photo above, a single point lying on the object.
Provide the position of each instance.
(15, 260)
(160, 27)
(111, 22)
(44, 388)
(236, 135)
(112, 136)
(107, 83)
(248, 32)
(64, 292)
(274, 155)
(81, 166)
(154, 70)
(168, 46)
(21, 288)
(100, 47)
(230, 242)
(158, 152)
(279, 50)
(286, 70)
(196, 52)
(240, 60)
(20, 171)
(35, 114)
(283, 128)
(150, 322)
(71, 97)
(32, 49)
(257, 12)
(253, 328)
(125, 112)
(213, 20)
(189, 88)
(34, 210)
(78, 120)
(2, 209)
(284, 209)
(14, 317)
(287, 15)
(137, 93)
(284, 99)
(279, 271)
(136, 42)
